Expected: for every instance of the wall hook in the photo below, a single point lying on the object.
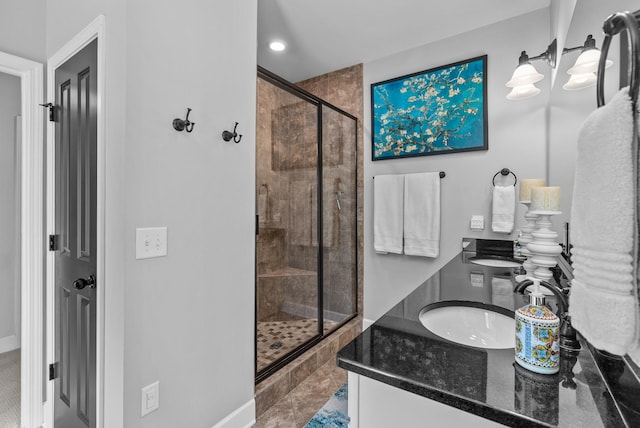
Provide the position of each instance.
(183, 125)
(228, 135)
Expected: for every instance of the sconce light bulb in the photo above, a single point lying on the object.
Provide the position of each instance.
(580, 81)
(587, 62)
(277, 46)
(524, 91)
(523, 75)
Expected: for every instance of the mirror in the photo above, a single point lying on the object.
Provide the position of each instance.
(568, 109)
(571, 22)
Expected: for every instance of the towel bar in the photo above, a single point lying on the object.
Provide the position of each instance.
(442, 174)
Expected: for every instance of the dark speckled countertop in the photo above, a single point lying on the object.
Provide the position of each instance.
(399, 351)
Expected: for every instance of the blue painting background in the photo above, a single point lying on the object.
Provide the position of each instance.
(433, 112)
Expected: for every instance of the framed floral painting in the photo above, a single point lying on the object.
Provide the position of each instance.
(432, 112)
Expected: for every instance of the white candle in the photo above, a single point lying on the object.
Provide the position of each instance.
(545, 198)
(526, 185)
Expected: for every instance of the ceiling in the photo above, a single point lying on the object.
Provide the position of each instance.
(327, 35)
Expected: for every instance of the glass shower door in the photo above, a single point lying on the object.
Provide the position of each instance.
(339, 221)
(287, 233)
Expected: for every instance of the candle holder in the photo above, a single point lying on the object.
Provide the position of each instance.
(544, 249)
(526, 237)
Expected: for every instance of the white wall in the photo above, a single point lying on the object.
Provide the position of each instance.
(22, 28)
(517, 140)
(9, 254)
(190, 316)
(187, 319)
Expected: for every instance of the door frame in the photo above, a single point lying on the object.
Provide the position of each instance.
(95, 30)
(31, 229)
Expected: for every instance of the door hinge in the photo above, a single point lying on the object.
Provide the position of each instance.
(52, 111)
(53, 242)
(257, 224)
(53, 371)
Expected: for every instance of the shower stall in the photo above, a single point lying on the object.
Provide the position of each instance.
(306, 252)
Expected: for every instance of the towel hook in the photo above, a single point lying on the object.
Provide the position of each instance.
(228, 135)
(183, 125)
(505, 172)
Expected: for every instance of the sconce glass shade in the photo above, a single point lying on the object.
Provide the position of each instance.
(523, 91)
(587, 62)
(525, 74)
(580, 81)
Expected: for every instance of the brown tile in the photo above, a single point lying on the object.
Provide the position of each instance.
(268, 394)
(327, 350)
(278, 416)
(309, 397)
(304, 368)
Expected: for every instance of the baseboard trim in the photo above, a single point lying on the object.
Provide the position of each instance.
(9, 343)
(366, 323)
(243, 417)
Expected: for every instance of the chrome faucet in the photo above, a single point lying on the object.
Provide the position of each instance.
(568, 338)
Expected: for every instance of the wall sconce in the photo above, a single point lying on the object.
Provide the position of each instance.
(582, 74)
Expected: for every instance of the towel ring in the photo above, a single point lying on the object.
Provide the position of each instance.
(612, 26)
(505, 172)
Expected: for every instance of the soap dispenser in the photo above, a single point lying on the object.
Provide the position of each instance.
(537, 346)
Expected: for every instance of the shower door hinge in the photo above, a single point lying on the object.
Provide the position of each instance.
(52, 111)
(53, 242)
(53, 371)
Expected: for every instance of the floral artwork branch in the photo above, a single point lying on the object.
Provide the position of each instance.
(437, 111)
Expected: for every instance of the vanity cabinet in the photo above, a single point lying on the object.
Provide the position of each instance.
(374, 404)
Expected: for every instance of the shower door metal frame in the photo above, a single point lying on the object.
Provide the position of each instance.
(292, 355)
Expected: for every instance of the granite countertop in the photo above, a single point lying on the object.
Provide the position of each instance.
(399, 351)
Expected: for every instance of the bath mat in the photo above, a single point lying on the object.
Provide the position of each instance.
(334, 413)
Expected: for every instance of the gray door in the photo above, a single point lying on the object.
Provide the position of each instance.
(75, 257)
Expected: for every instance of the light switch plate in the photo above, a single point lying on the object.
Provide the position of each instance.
(151, 242)
(477, 222)
(150, 398)
(477, 279)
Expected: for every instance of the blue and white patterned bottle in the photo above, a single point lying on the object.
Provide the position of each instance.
(537, 347)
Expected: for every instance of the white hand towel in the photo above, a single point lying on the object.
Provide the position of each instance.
(388, 199)
(504, 206)
(502, 292)
(603, 293)
(422, 214)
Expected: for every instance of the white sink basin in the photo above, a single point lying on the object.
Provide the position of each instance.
(495, 263)
(469, 323)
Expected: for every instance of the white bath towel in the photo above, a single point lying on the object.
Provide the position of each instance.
(504, 206)
(388, 197)
(422, 214)
(603, 293)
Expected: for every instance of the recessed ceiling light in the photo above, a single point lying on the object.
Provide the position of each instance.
(277, 46)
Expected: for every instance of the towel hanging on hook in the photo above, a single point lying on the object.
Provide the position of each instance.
(505, 172)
